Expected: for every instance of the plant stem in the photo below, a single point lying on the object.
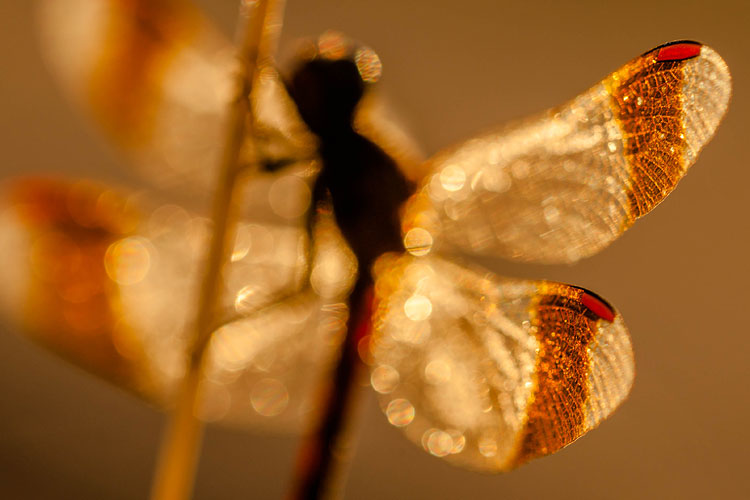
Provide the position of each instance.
(175, 472)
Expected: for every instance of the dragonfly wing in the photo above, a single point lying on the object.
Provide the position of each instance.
(564, 185)
(376, 120)
(266, 369)
(110, 282)
(158, 79)
(490, 372)
(279, 346)
(58, 237)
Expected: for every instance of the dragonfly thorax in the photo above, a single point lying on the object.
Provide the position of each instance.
(360, 180)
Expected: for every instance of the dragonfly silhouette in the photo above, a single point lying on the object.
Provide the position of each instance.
(487, 372)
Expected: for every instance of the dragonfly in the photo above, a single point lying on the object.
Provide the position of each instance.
(362, 244)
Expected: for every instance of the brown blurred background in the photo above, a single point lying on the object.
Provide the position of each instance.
(450, 69)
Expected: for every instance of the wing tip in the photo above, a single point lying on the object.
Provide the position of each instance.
(707, 90)
(677, 50)
(599, 307)
(611, 372)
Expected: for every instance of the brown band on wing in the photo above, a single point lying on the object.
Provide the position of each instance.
(647, 100)
(126, 81)
(72, 304)
(564, 328)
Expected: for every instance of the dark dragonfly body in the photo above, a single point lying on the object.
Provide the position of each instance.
(365, 189)
(363, 183)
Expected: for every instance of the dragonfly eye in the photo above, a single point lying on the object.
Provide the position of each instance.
(330, 80)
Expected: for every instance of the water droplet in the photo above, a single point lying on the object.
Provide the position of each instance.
(496, 180)
(459, 441)
(439, 443)
(488, 447)
(400, 412)
(418, 241)
(452, 178)
(368, 64)
(242, 242)
(384, 379)
(127, 261)
(332, 45)
(418, 308)
(269, 397)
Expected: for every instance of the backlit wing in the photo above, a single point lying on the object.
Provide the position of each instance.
(158, 78)
(110, 282)
(489, 372)
(564, 185)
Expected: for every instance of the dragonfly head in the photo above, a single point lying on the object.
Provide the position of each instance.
(329, 82)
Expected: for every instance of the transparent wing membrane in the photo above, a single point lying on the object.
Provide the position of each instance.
(110, 281)
(564, 185)
(490, 372)
(158, 79)
(267, 369)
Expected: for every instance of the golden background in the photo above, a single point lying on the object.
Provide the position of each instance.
(451, 69)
